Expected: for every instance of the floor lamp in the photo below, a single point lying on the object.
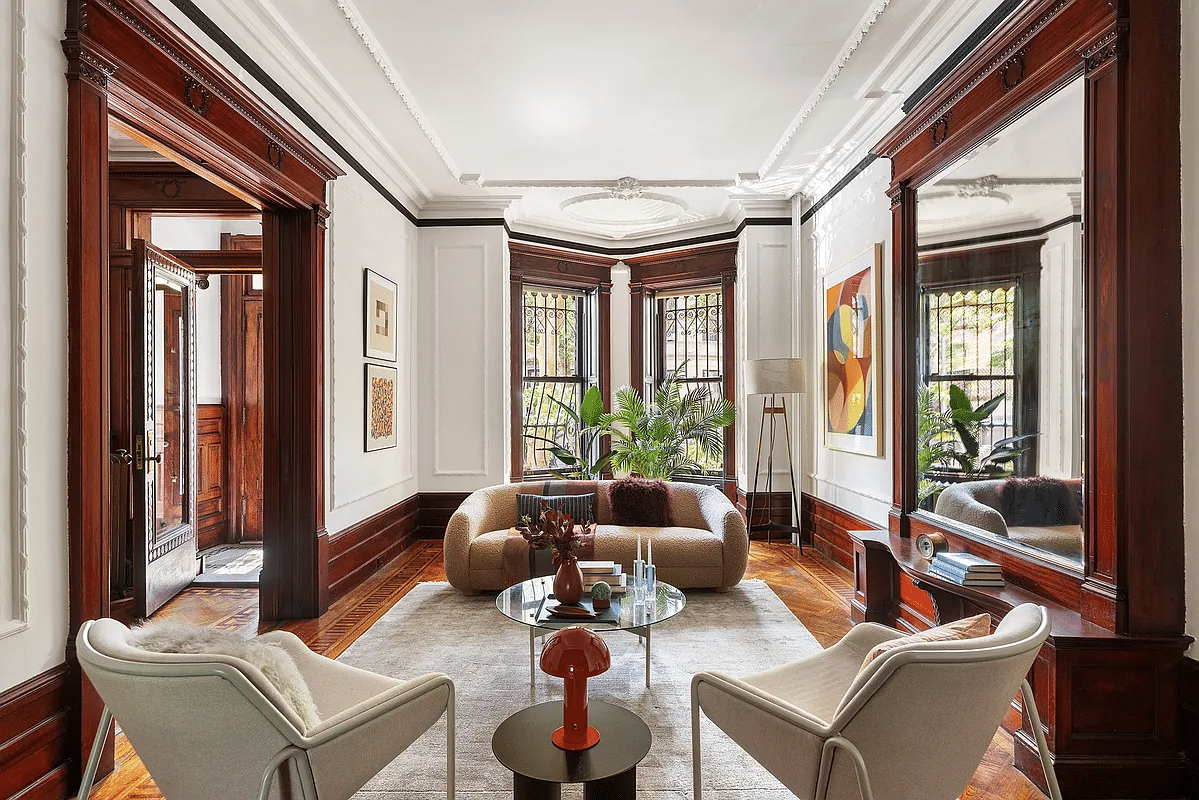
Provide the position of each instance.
(771, 377)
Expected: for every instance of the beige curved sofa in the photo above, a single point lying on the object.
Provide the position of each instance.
(708, 547)
(977, 503)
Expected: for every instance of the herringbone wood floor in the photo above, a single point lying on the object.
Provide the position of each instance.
(816, 591)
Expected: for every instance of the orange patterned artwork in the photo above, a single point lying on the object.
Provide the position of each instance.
(851, 326)
(380, 407)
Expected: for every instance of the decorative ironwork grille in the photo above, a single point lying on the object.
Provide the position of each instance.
(556, 341)
(691, 346)
(970, 340)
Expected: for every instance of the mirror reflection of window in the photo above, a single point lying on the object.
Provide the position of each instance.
(1000, 355)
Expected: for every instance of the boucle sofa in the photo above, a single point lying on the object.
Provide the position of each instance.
(980, 504)
(708, 546)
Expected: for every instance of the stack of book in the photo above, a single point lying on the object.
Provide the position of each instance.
(607, 571)
(966, 569)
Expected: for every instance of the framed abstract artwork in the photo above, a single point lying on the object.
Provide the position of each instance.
(380, 407)
(852, 314)
(379, 312)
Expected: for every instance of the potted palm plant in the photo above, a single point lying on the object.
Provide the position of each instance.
(580, 460)
(672, 435)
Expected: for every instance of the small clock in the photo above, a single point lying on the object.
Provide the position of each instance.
(929, 544)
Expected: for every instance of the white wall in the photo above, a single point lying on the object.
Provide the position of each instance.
(1190, 311)
(464, 381)
(33, 520)
(768, 325)
(364, 230)
(853, 221)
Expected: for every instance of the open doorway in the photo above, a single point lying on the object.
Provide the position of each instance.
(187, 474)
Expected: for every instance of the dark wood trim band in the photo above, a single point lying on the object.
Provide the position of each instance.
(1188, 682)
(358, 551)
(35, 737)
(436, 508)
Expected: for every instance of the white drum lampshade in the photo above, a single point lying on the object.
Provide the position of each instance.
(774, 376)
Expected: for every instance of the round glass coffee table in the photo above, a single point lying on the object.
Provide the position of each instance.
(523, 603)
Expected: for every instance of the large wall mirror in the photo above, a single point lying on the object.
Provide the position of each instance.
(1000, 335)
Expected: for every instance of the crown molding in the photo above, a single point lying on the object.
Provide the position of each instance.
(759, 206)
(278, 41)
(354, 17)
(490, 207)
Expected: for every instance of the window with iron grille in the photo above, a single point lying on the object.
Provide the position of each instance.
(559, 363)
(690, 345)
(969, 336)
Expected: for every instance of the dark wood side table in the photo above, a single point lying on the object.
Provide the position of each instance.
(539, 768)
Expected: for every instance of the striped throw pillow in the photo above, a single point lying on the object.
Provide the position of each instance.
(581, 507)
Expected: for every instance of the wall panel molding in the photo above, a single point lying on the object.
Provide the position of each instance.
(447, 295)
(14, 613)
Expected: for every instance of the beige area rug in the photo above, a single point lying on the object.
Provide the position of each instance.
(434, 628)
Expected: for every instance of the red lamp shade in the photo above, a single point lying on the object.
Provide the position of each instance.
(575, 654)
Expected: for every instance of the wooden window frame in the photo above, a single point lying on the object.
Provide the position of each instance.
(554, 269)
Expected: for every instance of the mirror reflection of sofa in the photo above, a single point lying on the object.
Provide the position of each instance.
(1040, 512)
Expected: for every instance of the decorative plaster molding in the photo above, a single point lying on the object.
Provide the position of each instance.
(608, 185)
(19, 315)
(855, 41)
(488, 360)
(354, 17)
(467, 207)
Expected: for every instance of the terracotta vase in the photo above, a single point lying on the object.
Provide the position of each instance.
(568, 582)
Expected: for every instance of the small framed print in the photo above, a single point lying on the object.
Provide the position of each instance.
(380, 407)
(852, 312)
(379, 313)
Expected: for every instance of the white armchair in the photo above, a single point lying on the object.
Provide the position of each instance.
(210, 726)
(913, 724)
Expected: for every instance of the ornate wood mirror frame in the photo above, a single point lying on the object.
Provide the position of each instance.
(1107, 681)
(126, 61)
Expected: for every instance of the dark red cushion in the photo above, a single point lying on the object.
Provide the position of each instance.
(640, 502)
(1040, 501)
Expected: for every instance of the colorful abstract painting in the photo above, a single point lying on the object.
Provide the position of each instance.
(379, 309)
(380, 407)
(852, 319)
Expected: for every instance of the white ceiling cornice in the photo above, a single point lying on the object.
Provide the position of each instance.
(490, 207)
(847, 51)
(351, 14)
(274, 36)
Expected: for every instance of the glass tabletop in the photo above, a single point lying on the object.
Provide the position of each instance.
(521, 603)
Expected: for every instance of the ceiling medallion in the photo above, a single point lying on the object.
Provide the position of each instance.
(626, 189)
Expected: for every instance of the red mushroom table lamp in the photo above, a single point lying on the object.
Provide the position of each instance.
(575, 654)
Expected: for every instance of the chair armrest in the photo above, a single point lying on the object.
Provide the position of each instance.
(753, 696)
(378, 706)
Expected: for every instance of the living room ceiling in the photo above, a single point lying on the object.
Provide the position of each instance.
(463, 105)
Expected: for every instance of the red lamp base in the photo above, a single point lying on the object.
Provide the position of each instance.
(559, 738)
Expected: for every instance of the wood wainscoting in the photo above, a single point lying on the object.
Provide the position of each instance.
(1189, 701)
(212, 524)
(827, 527)
(436, 508)
(36, 745)
(359, 551)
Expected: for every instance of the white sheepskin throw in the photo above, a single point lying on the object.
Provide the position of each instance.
(272, 660)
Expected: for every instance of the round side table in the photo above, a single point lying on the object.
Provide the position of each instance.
(539, 768)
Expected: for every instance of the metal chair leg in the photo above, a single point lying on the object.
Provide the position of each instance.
(93, 760)
(1030, 705)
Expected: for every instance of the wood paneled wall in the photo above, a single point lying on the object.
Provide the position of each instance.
(36, 745)
(212, 524)
(826, 527)
(356, 552)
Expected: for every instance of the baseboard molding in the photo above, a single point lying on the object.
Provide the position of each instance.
(1188, 683)
(436, 508)
(35, 738)
(768, 507)
(359, 551)
(827, 526)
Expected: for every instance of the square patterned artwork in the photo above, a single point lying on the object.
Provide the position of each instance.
(380, 407)
(379, 311)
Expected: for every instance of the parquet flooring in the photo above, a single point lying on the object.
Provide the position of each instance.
(817, 592)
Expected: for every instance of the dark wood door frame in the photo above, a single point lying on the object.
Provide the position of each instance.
(127, 60)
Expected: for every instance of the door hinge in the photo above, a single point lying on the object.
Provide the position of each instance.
(243, 415)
